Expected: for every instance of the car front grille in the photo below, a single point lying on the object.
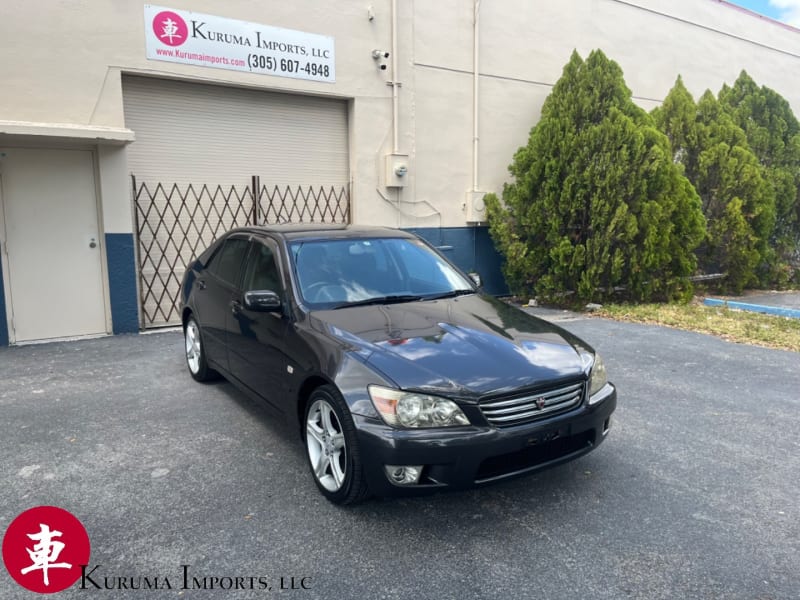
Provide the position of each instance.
(505, 412)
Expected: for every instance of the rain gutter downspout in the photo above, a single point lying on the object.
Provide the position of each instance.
(475, 91)
(395, 84)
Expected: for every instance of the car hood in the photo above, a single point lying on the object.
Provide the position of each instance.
(467, 347)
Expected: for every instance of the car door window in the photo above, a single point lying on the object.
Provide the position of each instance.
(261, 272)
(228, 261)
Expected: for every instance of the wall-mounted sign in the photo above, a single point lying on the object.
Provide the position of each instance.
(205, 40)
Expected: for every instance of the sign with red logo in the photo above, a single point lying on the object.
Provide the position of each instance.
(44, 549)
(191, 38)
(170, 28)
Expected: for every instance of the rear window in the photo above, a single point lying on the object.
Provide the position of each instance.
(228, 261)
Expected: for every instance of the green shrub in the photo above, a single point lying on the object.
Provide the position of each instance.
(596, 202)
(738, 205)
(773, 133)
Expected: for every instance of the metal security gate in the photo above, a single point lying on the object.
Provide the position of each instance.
(174, 223)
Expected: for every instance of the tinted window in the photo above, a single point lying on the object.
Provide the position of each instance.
(226, 263)
(261, 272)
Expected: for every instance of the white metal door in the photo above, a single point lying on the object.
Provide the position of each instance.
(52, 252)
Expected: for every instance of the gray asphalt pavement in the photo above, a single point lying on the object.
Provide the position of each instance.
(694, 494)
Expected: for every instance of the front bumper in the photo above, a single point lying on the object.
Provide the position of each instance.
(465, 457)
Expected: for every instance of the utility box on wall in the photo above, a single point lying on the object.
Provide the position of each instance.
(395, 172)
(474, 207)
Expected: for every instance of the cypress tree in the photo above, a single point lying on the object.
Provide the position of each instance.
(596, 202)
(736, 201)
(773, 133)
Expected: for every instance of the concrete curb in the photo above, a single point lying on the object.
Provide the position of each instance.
(760, 308)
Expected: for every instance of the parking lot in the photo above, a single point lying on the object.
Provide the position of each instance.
(693, 495)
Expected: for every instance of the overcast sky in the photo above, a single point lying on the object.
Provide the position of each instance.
(787, 11)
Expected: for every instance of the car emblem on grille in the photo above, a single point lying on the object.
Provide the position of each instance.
(540, 402)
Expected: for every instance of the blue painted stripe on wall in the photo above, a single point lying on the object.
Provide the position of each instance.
(3, 315)
(471, 249)
(122, 282)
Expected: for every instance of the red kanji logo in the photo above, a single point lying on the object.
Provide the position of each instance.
(44, 548)
(170, 28)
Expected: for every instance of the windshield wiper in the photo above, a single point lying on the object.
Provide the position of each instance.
(450, 294)
(395, 299)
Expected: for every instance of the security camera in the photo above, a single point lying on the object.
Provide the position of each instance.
(379, 56)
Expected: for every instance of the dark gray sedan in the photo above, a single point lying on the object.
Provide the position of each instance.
(399, 374)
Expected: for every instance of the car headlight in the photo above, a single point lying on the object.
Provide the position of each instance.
(408, 409)
(598, 378)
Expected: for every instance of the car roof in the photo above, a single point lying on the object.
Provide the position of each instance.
(309, 231)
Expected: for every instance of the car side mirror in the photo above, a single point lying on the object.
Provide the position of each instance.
(476, 278)
(262, 301)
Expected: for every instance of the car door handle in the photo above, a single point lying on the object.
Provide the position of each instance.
(201, 283)
(236, 307)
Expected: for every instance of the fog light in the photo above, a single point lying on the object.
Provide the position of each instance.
(403, 475)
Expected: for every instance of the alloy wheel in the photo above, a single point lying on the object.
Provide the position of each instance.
(327, 449)
(193, 348)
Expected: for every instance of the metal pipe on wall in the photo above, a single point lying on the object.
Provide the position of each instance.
(475, 91)
(394, 83)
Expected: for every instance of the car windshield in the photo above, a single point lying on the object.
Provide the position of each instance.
(347, 272)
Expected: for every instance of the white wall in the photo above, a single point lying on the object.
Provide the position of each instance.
(62, 63)
(524, 45)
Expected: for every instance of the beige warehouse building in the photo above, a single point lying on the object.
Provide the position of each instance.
(132, 134)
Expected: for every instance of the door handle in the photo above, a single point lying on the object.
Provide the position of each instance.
(236, 307)
(201, 284)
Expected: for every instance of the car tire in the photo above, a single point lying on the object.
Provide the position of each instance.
(332, 447)
(195, 352)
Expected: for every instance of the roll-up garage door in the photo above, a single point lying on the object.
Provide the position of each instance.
(208, 158)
